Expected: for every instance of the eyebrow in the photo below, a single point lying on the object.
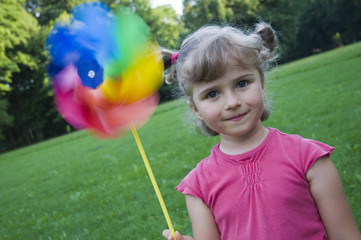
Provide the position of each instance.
(209, 89)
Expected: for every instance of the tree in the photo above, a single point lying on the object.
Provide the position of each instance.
(166, 27)
(349, 20)
(243, 13)
(282, 14)
(16, 28)
(6, 119)
(197, 13)
(49, 10)
(285, 17)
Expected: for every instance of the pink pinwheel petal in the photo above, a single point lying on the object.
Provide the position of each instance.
(115, 120)
(67, 79)
(74, 112)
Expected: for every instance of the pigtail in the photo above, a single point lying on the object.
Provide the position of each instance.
(270, 40)
(268, 35)
(167, 58)
(171, 75)
(268, 54)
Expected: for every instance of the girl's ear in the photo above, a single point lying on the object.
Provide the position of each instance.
(263, 91)
(194, 109)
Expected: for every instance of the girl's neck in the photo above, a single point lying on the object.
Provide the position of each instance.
(233, 145)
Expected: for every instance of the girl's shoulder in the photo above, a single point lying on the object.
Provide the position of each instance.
(295, 140)
(305, 151)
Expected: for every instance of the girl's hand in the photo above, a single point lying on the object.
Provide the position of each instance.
(166, 234)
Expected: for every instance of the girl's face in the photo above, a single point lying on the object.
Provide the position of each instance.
(231, 105)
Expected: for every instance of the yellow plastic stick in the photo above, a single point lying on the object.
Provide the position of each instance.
(152, 178)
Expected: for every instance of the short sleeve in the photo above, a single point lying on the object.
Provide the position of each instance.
(191, 185)
(312, 150)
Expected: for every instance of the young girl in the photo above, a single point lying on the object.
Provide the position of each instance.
(258, 183)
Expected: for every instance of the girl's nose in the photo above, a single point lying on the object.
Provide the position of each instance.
(232, 101)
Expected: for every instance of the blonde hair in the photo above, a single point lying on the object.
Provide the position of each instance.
(205, 54)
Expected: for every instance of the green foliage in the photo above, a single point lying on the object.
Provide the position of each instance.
(166, 27)
(5, 118)
(16, 27)
(197, 13)
(304, 27)
(49, 10)
(78, 187)
(322, 20)
(243, 12)
(29, 98)
(283, 15)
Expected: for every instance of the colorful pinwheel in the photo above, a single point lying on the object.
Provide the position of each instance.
(106, 69)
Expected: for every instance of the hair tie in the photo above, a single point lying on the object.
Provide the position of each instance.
(174, 56)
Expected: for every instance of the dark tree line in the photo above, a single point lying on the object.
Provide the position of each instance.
(27, 112)
(304, 27)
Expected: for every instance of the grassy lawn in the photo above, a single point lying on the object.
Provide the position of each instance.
(79, 187)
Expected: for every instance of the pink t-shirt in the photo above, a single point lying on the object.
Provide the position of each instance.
(263, 193)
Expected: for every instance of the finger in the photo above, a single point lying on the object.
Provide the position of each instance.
(166, 234)
(178, 236)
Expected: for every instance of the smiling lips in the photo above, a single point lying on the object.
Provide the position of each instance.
(237, 117)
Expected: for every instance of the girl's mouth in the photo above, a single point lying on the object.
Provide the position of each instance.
(237, 117)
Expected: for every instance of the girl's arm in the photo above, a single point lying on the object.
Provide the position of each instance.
(203, 223)
(327, 191)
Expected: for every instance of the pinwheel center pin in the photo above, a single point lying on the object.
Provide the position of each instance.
(91, 74)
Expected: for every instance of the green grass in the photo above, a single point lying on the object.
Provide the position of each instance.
(78, 187)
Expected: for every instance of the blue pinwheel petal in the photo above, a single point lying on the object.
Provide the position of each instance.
(90, 33)
(62, 46)
(96, 26)
(90, 72)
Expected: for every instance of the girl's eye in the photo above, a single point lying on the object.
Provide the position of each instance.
(212, 94)
(242, 84)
